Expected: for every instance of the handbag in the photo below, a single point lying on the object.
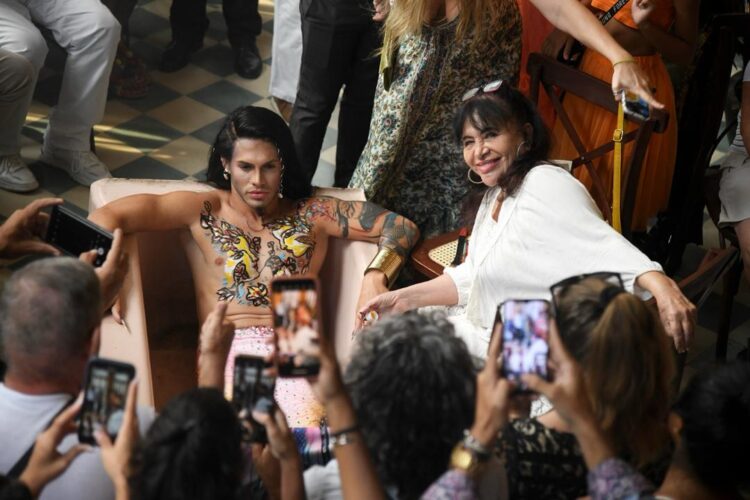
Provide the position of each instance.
(576, 52)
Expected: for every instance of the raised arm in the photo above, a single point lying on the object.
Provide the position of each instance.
(575, 19)
(150, 212)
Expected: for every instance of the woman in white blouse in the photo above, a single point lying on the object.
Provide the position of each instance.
(535, 226)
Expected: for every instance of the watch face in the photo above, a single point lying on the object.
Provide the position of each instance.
(462, 459)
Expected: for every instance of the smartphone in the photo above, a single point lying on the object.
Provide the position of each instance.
(635, 106)
(74, 234)
(296, 312)
(104, 393)
(252, 390)
(525, 339)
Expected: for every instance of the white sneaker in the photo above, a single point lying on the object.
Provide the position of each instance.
(15, 175)
(82, 166)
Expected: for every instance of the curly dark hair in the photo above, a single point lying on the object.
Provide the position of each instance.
(715, 412)
(499, 110)
(412, 386)
(250, 122)
(192, 450)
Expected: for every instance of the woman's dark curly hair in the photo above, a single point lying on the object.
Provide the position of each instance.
(507, 107)
(192, 451)
(715, 437)
(250, 122)
(412, 385)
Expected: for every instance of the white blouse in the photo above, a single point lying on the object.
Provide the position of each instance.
(550, 230)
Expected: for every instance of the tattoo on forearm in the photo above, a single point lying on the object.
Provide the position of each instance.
(370, 213)
(399, 234)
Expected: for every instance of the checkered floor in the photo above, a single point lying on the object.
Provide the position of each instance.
(167, 134)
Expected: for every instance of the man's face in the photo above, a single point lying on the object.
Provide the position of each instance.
(255, 172)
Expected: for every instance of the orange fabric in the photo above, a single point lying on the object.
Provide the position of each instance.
(595, 127)
(535, 30)
(662, 16)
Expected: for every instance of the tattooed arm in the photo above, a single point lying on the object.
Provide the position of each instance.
(365, 221)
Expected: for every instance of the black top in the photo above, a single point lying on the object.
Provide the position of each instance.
(340, 13)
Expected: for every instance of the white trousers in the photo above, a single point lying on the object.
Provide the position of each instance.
(286, 50)
(89, 34)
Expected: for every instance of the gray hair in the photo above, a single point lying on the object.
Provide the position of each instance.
(412, 386)
(49, 309)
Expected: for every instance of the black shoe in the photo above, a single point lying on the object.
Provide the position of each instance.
(177, 55)
(247, 61)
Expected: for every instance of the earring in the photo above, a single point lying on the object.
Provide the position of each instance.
(281, 183)
(226, 175)
(468, 174)
(518, 149)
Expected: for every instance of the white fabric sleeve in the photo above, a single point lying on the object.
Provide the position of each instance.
(462, 276)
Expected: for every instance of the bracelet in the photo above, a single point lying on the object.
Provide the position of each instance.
(621, 61)
(471, 443)
(388, 262)
(344, 436)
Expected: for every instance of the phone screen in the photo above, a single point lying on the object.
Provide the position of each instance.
(296, 326)
(104, 397)
(252, 389)
(525, 346)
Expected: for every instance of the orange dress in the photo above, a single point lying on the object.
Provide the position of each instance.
(535, 30)
(595, 125)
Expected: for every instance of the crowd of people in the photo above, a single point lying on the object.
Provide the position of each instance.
(535, 368)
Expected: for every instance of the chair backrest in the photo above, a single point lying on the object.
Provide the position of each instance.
(159, 296)
(555, 77)
(698, 127)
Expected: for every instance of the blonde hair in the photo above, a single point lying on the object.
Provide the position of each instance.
(627, 362)
(476, 18)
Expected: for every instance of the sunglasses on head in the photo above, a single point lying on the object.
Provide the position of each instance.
(485, 89)
(613, 279)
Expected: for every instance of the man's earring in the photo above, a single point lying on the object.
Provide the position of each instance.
(281, 183)
(226, 175)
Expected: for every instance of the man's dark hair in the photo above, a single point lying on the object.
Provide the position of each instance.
(250, 122)
(192, 450)
(48, 312)
(715, 411)
(412, 385)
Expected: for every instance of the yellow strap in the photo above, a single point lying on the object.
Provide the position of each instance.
(617, 169)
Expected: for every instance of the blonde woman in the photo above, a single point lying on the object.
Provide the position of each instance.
(434, 50)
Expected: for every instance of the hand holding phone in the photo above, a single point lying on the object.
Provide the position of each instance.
(524, 340)
(252, 391)
(75, 235)
(635, 106)
(296, 310)
(105, 393)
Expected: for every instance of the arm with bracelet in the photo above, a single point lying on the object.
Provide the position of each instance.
(365, 221)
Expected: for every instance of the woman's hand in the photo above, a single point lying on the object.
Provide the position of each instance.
(493, 393)
(280, 439)
(46, 463)
(628, 75)
(641, 10)
(676, 312)
(216, 337)
(116, 457)
(384, 304)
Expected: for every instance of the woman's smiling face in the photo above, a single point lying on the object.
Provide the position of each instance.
(491, 151)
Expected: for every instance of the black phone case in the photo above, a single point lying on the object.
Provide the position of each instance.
(127, 368)
(63, 220)
(258, 433)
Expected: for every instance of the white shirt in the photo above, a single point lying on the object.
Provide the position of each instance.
(24, 416)
(550, 230)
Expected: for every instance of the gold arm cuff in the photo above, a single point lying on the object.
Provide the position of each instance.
(388, 262)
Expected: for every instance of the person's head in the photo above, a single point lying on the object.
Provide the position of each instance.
(626, 360)
(50, 311)
(254, 156)
(412, 386)
(711, 426)
(192, 450)
(501, 135)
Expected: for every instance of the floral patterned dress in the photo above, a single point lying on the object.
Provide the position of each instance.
(412, 164)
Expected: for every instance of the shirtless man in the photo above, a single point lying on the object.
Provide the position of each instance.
(261, 222)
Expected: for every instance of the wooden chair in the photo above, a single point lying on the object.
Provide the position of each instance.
(555, 77)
